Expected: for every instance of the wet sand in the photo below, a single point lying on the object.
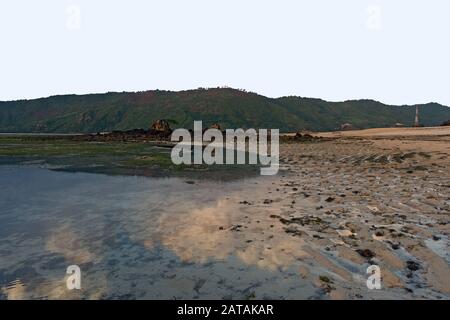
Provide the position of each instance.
(381, 196)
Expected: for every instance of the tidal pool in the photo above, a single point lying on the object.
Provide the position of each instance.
(133, 238)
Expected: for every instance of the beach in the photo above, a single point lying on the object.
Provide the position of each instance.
(336, 207)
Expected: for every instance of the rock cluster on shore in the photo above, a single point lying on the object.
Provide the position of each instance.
(159, 131)
(302, 136)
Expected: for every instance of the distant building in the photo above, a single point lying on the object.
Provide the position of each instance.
(416, 121)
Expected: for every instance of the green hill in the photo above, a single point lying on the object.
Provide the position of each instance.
(230, 107)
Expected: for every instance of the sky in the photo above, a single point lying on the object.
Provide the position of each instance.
(394, 51)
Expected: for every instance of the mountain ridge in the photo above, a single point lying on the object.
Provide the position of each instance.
(232, 108)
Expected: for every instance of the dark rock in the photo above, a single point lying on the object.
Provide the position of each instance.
(236, 227)
(325, 279)
(412, 265)
(294, 231)
(366, 253)
(301, 220)
(347, 127)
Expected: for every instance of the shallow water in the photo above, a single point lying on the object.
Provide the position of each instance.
(132, 237)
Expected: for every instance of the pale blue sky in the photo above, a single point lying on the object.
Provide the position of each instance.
(395, 51)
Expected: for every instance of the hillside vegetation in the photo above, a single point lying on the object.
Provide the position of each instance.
(230, 107)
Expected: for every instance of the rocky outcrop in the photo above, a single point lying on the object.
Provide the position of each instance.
(161, 126)
(159, 131)
(346, 127)
(302, 136)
